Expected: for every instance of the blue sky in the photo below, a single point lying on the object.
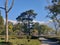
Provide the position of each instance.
(22, 5)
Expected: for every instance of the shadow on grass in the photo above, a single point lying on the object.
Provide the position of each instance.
(6, 43)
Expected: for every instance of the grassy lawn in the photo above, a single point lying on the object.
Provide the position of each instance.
(23, 41)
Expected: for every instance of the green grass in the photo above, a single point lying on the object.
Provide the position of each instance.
(17, 41)
(23, 41)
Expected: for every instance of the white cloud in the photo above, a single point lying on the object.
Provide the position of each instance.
(40, 22)
(43, 22)
(13, 21)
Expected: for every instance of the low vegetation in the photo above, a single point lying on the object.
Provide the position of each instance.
(13, 40)
(23, 42)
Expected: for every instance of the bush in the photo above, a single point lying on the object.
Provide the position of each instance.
(2, 38)
(6, 43)
(28, 37)
(21, 37)
(34, 37)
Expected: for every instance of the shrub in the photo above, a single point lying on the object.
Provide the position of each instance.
(2, 38)
(6, 43)
(21, 37)
(34, 37)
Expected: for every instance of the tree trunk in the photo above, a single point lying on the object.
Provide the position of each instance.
(6, 36)
(6, 13)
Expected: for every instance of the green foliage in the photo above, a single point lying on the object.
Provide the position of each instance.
(10, 25)
(26, 18)
(17, 27)
(54, 13)
(25, 42)
(1, 23)
(6, 43)
(42, 29)
(1, 20)
(37, 26)
(10, 28)
(45, 29)
(22, 41)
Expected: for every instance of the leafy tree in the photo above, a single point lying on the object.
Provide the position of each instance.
(26, 18)
(54, 13)
(34, 32)
(42, 28)
(1, 23)
(45, 29)
(37, 27)
(17, 26)
(10, 27)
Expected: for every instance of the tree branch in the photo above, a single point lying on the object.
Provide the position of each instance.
(6, 5)
(11, 6)
(2, 8)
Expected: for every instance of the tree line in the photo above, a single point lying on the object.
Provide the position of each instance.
(15, 29)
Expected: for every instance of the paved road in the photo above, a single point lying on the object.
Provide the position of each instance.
(47, 42)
